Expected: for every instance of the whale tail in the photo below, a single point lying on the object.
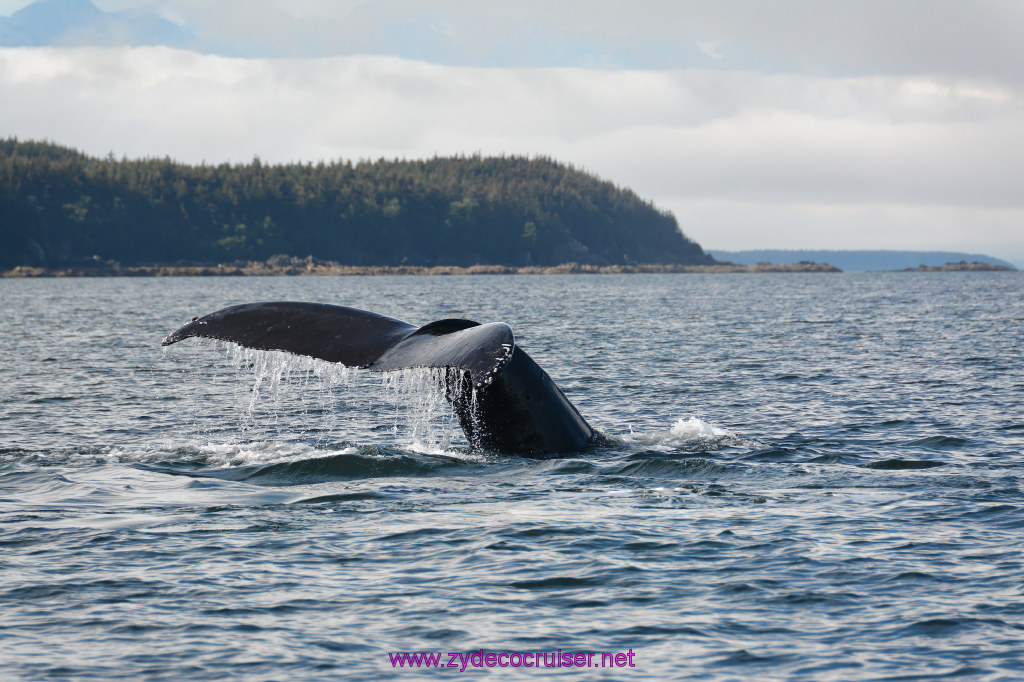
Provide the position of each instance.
(503, 400)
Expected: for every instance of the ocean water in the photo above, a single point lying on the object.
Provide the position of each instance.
(806, 477)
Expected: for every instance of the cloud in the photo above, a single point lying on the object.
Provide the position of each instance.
(868, 37)
(744, 159)
(978, 39)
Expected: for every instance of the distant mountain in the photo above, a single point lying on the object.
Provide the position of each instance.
(856, 261)
(79, 22)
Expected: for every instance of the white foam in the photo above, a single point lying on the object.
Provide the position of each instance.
(696, 428)
(264, 452)
(684, 432)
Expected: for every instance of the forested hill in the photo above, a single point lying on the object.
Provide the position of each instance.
(58, 207)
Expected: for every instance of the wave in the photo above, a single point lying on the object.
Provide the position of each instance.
(940, 442)
(900, 464)
(691, 467)
(421, 450)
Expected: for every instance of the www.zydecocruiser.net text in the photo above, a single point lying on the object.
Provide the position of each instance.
(462, 660)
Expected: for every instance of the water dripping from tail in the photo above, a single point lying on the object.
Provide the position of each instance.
(291, 397)
(431, 409)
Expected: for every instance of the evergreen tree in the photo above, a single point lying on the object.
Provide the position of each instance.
(60, 207)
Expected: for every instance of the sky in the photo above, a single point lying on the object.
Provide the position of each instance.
(792, 125)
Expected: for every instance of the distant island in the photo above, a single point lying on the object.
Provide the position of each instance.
(862, 261)
(960, 266)
(64, 210)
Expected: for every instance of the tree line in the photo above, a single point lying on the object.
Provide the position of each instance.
(61, 207)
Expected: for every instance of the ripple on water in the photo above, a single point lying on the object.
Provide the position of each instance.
(773, 498)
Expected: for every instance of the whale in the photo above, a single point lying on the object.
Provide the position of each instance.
(501, 397)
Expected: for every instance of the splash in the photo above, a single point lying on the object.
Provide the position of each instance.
(684, 433)
(272, 369)
(696, 428)
(288, 399)
(423, 415)
(293, 396)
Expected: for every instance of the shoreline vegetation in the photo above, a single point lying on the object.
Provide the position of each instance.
(63, 209)
(290, 266)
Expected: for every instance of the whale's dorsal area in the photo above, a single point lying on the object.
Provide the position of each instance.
(509, 404)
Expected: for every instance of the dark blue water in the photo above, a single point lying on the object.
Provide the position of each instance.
(808, 477)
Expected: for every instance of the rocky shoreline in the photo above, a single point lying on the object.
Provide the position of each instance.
(284, 266)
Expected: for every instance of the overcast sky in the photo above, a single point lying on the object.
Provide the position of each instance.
(817, 125)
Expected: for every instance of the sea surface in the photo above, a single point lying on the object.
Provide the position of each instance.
(805, 477)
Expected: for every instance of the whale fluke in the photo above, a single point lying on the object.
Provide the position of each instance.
(504, 401)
